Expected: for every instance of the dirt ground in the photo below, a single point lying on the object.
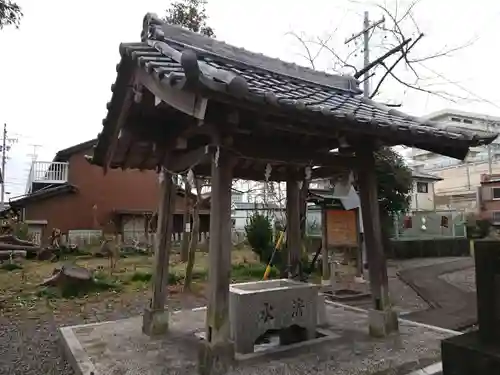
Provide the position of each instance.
(20, 295)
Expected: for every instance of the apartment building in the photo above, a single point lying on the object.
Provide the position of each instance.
(460, 180)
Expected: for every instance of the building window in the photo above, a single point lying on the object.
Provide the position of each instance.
(467, 121)
(456, 119)
(496, 192)
(495, 216)
(422, 187)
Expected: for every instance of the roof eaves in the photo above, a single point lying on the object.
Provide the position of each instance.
(43, 194)
(65, 154)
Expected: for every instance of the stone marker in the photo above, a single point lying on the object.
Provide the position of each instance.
(478, 352)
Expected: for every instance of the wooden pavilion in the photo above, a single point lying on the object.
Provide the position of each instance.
(182, 101)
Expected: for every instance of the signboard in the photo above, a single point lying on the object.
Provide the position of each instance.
(342, 228)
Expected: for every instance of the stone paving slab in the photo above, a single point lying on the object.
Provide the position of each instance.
(452, 306)
(120, 348)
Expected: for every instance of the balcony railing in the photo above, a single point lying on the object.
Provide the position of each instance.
(47, 172)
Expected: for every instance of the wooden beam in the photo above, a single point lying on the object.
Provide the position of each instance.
(181, 162)
(282, 153)
(124, 109)
(155, 320)
(182, 100)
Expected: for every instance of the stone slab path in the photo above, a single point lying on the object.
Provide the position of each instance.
(452, 307)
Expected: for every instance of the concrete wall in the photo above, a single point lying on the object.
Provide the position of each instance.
(422, 201)
(462, 178)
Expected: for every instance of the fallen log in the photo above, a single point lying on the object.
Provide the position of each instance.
(6, 246)
(13, 240)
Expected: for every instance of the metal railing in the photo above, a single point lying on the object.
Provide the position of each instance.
(47, 172)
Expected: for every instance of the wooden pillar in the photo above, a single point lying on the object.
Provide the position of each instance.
(293, 232)
(382, 319)
(155, 320)
(217, 351)
(325, 271)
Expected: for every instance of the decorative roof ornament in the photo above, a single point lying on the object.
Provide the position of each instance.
(150, 29)
(268, 171)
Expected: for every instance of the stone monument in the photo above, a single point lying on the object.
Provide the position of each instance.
(478, 352)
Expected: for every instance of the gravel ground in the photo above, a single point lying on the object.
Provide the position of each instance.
(29, 345)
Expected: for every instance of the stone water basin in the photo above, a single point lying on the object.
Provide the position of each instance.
(260, 306)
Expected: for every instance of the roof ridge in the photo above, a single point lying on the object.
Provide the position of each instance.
(155, 28)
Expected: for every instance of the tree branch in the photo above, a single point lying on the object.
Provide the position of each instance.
(381, 59)
(388, 71)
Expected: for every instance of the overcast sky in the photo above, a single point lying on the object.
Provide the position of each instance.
(57, 69)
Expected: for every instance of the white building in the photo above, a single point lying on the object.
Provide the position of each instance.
(423, 195)
(460, 180)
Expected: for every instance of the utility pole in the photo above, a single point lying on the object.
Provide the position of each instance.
(5, 148)
(367, 27)
(4, 143)
(366, 54)
(366, 93)
(490, 169)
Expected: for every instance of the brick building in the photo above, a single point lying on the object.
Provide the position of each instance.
(70, 194)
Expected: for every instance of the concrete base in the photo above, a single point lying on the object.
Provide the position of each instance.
(120, 347)
(155, 322)
(382, 323)
(468, 355)
(215, 359)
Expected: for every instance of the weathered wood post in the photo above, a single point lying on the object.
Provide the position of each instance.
(382, 319)
(155, 320)
(325, 269)
(293, 230)
(217, 351)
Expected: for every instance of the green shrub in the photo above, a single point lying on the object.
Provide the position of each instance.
(10, 266)
(249, 271)
(477, 227)
(260, 236)
(144, 277)
(200, 275)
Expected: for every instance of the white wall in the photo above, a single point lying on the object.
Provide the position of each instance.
(423, 201)
(242, 216)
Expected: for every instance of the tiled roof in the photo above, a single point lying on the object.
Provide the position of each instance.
(48, 192)
(171, 54)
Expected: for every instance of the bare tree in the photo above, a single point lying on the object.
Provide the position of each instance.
(399, 60)
(10, 13)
